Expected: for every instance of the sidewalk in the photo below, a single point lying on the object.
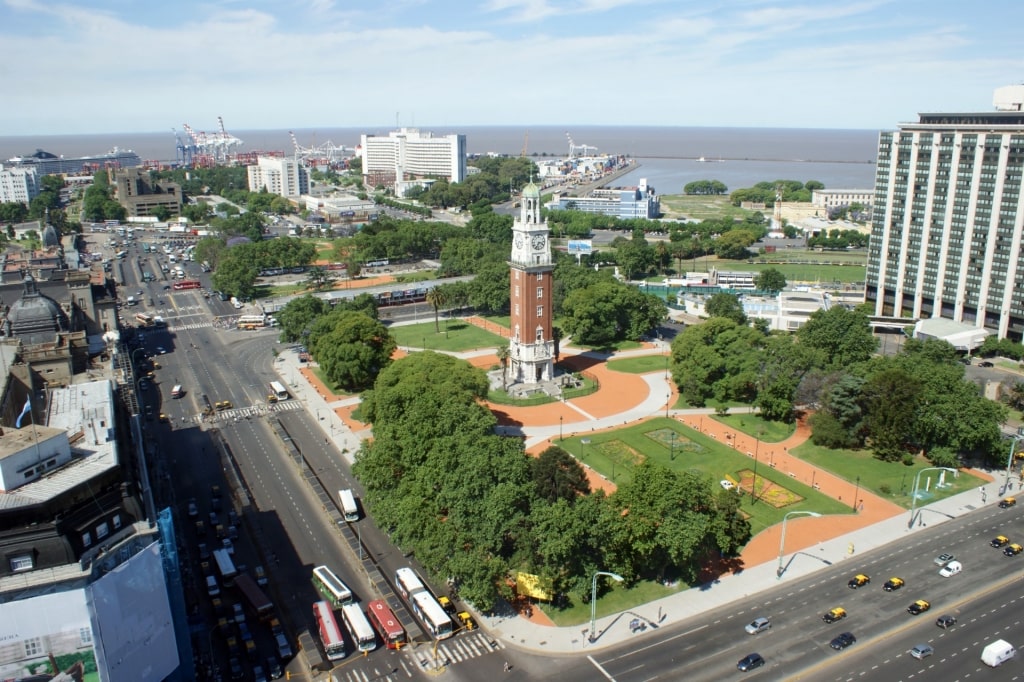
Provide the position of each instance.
(811, 543)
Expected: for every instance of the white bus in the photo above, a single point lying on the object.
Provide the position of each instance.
(251, 322)
(348, 504)
(423, 604)
(278, 390)
(330, 633)
(331, 587)
(358, 627)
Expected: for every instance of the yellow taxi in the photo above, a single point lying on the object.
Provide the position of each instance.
(1013, 549)
(918, 607)
(859, 580)
(467, 620)
(1000, 541)
(893, 584)
(164, 418)
(1007, 502)
(838, 613)
(224, 405)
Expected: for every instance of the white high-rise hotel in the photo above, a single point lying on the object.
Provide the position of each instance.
(948, 223)
(409, 154)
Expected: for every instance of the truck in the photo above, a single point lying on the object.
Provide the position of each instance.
(257, 600)
(225, 566)
(997, 653)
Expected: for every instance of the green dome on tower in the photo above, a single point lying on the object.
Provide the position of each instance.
(531, 191)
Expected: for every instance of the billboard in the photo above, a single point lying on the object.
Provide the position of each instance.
(581, 246)
(38, 632)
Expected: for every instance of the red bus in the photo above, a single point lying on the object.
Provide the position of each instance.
(387, 626)
(187, 284)
(330, 633)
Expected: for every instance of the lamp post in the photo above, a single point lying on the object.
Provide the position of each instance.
(560, 439)
(913, 493)
(782, 540)
(1009, 461)
(856, 492)
(672, 448)
(668, 403)
(593, 601)
(753, 484)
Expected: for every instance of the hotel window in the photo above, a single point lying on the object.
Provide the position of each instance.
(21, 562)
(102, 531)
(540, 292)
(86, 539)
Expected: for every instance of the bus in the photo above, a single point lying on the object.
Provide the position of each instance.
(423, 604)
(144, 320)
(330, 633)
(331, 587)
(357, 626)
(254, 596)
(348, 504)
(187, 284)
(277, 389)
(386, 624)
(252, 322)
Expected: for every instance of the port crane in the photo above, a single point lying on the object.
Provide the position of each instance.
(583, 149)
(328, 153)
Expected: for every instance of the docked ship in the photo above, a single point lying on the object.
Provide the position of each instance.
(46, 163)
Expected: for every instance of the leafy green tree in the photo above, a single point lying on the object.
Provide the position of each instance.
(298, 315)
(13, 212)
(319, 278)
(891, 400)
(558, 475)
(770, 280)
(352, 348)
(843, 335)
(235, 274)
(727, 306)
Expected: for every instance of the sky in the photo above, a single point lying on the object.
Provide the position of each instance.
(102, 66)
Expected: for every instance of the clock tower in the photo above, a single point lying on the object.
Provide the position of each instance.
(532, 348)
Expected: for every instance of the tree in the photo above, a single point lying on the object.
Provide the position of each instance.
(503, 356)
(727, 306)
(558, 476)
(843, 335)
(352, 348)
(436, 298)
(298, 315)
(319, 278)
(891, 399)
(770, 280)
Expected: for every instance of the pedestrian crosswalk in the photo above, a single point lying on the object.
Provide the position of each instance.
(250, 411)
(423, 657)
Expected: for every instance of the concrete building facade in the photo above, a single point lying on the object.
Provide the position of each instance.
(279, 175)
(621, 202)
(410, 154)
(141, 196)
(948, 223)
(18, 185)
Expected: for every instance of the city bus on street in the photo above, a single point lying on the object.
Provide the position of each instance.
(186, 284)
(252, 322)
(278, 390)
(357, 626)
(144, 320)
(330, 633)
(331, 587)
(423, 604)
(386, 624)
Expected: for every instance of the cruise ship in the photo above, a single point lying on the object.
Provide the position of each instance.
(46, 163)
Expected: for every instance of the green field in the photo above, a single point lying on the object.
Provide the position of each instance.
(454, 335)
(804, 272)
(700, 207)
(645, 364)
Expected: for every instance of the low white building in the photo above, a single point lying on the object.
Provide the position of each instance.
(962, 336)
(788, 311)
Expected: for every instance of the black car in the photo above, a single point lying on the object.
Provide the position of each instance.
(842, 641)
(946, 621)
(750, 662)
(985, 363)
(274, 668)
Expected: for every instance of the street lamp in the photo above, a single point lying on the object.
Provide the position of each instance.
(1009, 461)
(782, 540)
(668, 403)
(753, 485)
(593, 601)
(560, 429)
(672, 450)
(856, 492)
(913, 493)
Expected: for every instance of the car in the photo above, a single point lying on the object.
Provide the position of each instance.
(750, 662)
(951, 569)
(238, 612)
(214, 519)
(244, 632)
(922, 651)
(233, 646)
(893, 584)
(149, 412)
(237, 672)
(838, 613)
(1007, 502)
(284, 649)
(193, 508)
(204, 551)
(467, 620)
(228, 545)
(223, 405)
(447, 605)
(758, 625)
(275, 627)
(200, 527)
(160, 350)
(139, 292)
(167, 287)
(859, 580)
(946, 621)
(274, 668)
(258, 675)
(726, 484)
(164, 418)
(1000, 541)
(1013, 549)
(985, 363)
(843, 640)
(143, 385)
(918, 607)
(943, 559)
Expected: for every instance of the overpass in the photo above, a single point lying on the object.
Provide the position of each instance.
(884, 321)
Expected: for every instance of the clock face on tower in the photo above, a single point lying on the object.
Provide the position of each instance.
(519, 242)
(538, 242)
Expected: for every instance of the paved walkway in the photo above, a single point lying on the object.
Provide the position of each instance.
(811, 543)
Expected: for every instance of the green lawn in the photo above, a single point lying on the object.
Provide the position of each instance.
(753, 425)
(615, 600)
(892, 480)
(616, 454)
(701, 207)
(644, 364)
(455, 336)
(807, 272)
(337, 390)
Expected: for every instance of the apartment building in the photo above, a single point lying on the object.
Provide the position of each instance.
(410, 154)
(279, 175)
(18, 185)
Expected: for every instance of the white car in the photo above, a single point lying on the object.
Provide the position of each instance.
(726, 484)
(950, 569)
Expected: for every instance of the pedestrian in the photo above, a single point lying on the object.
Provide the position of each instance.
(507, 667)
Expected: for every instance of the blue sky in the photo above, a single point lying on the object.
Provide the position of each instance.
(86, 66)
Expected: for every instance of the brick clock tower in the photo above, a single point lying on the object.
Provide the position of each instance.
(531, 349)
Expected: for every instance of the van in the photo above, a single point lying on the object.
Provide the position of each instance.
(177, 391)
(997, 653)
(212, 588)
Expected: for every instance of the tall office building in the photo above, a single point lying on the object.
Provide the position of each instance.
(282, 176)
(948, 222)
(18, 185)
(409, 154)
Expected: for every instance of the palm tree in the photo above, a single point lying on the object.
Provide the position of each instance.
(503, 356)
(437, 298)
